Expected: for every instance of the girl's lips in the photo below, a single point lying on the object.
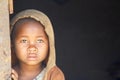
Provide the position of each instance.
(32, 57)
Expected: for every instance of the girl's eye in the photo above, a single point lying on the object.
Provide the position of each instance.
(24, 41)
(40, 41)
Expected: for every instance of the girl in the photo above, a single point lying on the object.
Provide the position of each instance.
(33, 47)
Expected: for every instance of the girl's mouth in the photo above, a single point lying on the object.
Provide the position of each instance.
(32, 57)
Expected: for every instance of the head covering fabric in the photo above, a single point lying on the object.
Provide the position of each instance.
(44, 20)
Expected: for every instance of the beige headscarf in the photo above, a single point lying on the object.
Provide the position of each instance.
(39, 16)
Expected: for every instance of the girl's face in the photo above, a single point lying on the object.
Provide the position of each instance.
(31, 43)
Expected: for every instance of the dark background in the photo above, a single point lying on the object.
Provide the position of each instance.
(87, 35)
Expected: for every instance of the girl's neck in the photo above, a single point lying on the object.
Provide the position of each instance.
(24, 69)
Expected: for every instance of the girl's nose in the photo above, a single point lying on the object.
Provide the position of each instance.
(32, 49)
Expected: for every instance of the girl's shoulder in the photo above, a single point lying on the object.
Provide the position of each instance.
(56, 74)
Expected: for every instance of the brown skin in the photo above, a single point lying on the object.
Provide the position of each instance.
(31, 48)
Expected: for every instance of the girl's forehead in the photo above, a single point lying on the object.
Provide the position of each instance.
(30, 27)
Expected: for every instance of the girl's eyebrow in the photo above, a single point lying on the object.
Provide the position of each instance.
(24, 36)
(28, 36)
(40, 36)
